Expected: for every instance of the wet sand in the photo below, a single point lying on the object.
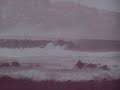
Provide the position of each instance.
(8, 83)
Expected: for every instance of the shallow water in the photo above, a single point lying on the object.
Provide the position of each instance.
(57, 63)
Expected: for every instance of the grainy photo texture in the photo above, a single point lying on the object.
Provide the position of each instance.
(59, 45)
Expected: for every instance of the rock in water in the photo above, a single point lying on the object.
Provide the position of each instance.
(91, 66)
(15, 64)
(104, 67)
(79, 65)
(5, 65)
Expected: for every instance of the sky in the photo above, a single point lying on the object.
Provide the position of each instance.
(113, 5)
(77, 19)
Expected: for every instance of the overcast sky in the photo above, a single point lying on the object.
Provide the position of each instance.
(46, 18)
(100, 4)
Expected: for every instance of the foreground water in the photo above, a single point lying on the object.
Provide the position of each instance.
(56, 63)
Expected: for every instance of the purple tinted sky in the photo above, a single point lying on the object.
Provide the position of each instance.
(113, 5)
(41, 18)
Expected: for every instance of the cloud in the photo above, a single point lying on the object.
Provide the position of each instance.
(100, 4)
(79, 22)
(64, 0)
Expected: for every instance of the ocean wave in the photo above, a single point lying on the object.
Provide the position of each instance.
(39, 75)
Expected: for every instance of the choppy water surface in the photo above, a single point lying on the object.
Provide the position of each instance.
(57, 63)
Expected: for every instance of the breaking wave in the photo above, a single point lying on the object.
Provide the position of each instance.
(54, 53)
(39, 75)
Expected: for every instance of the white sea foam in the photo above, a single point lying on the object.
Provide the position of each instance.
(51, 50)
(63, 76)
(58, 63)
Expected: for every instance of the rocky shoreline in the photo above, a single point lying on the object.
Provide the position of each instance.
(8, 83)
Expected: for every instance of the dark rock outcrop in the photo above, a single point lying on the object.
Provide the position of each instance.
(104, 67)
(5, 65)
(15, 64)
(91, 66)
(79, 65)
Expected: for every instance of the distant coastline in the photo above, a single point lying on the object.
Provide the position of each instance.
(76, 44)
